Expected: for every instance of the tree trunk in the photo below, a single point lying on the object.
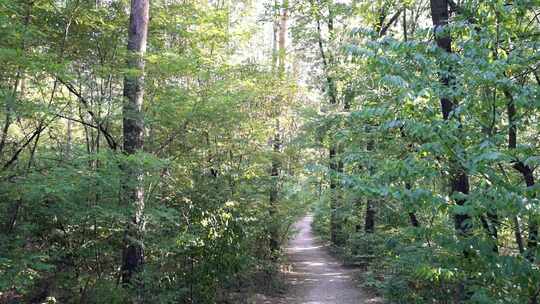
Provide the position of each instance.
(281, 37)
(369, 219)
(382, 28)
(526, 171)
(412, 216)
(133, 125)
(274, 191)
(335, 229)
(369, 224)
(327, 61)
(459, 179)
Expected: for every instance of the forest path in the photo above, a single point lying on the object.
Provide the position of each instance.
(316, 277)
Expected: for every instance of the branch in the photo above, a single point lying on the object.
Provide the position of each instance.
(77, 120)
(15, 156)
(385, 28)
(110, 139)
(329, 80)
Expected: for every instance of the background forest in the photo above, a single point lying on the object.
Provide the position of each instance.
(160, 151)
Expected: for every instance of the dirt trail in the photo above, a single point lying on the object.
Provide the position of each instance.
(316, 277)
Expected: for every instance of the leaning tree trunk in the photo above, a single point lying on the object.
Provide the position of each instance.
(133, 124)
(459, 179)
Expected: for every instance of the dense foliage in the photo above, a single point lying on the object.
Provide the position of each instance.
(205, 160)
(436, 146)
(411, 127)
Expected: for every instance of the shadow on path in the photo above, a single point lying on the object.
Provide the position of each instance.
(316, 277)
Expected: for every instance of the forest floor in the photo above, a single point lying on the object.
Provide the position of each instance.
(315, 276)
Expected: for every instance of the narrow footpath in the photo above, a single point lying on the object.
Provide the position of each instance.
(316, 277)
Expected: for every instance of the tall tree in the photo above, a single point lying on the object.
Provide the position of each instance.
(133, 125)
(527, 173)
(327, 59)
(381, 28)
(459, 179)
(279, 56)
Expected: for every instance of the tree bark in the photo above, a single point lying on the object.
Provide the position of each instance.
(369, 224)
(327, 61)
(526, 171)
(281, 37)
(459, 179)
(133, 125)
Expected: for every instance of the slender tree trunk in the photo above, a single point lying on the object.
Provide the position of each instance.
(275, 31)
(412, 216)
(526, 171)
(336, 165)
(12, 212)
(334, 208)
(19, 81)
(327, 61)
(382, 28)
(330, 85)
(369, 224)
(528, 177)
(274, 191)
(69, 140)
(369, 219)
(459, 179)
(133, 122)
(282, 39)
(280, 34)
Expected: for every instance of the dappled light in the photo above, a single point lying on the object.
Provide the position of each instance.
(269, 151)
(316, 276)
